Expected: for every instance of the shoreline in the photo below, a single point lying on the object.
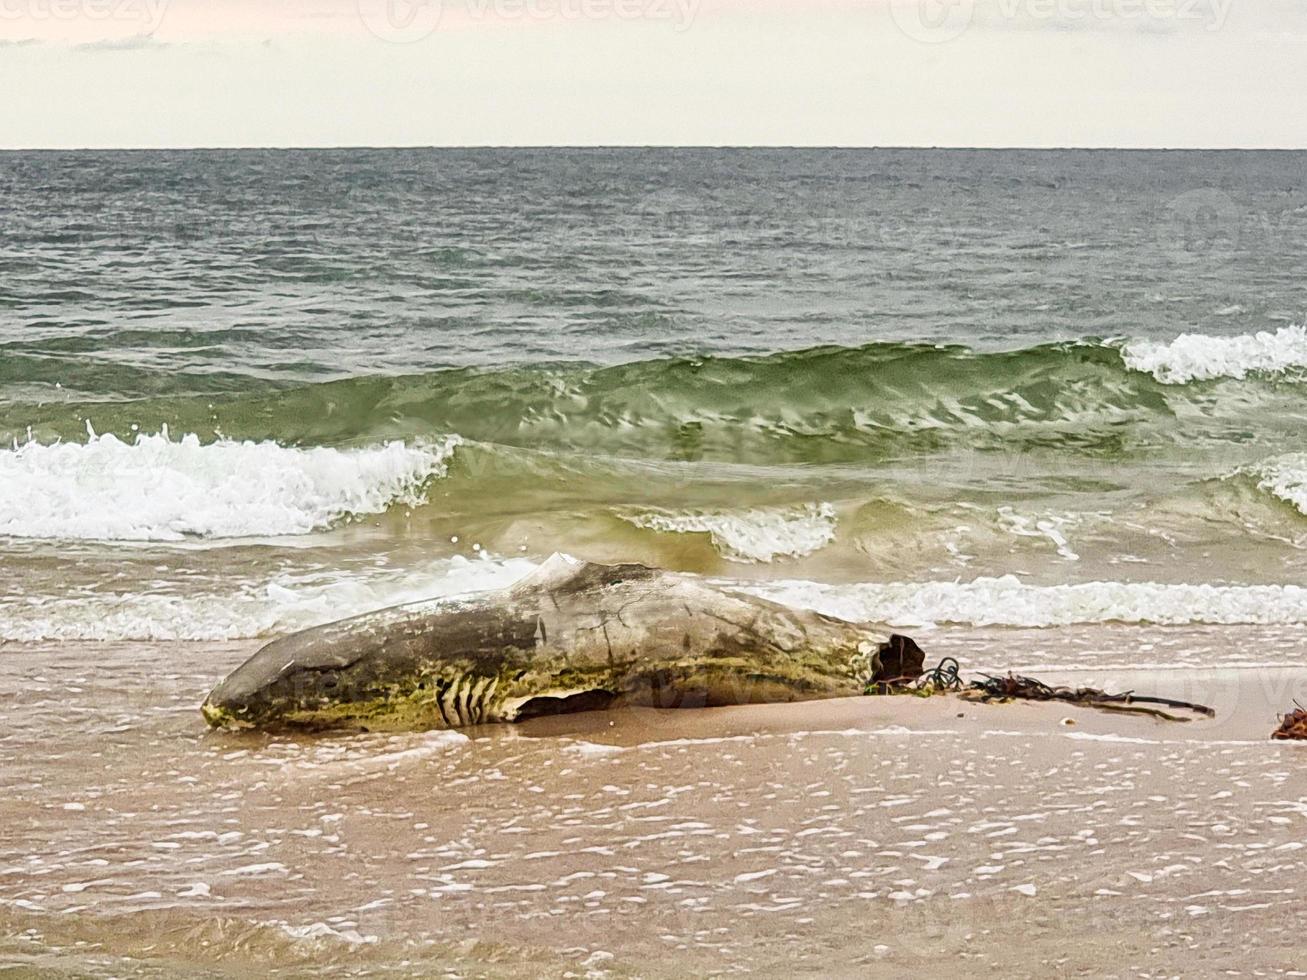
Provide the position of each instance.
(866, 836)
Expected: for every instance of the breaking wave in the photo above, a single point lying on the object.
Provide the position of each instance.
(1197, 357)
(823, 405)
(155, 488)
(1284, 477)
(758, 535)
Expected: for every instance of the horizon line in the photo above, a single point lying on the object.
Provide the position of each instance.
(291, 147)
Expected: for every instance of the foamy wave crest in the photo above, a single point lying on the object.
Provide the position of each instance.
(158, 489)
(1284, 477)
(1049, 526)
(759, 535)
(1196, 357)
(289, 602)
(1009, 602)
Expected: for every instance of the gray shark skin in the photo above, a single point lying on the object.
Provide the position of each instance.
(572, 636)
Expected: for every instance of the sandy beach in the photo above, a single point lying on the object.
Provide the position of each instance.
(873, 836)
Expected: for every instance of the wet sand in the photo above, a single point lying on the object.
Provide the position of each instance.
(876, 836)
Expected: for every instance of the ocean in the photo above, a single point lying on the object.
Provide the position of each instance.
(1042, 410)
(243, 392)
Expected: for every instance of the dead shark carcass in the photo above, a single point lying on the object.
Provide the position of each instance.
(572, 636)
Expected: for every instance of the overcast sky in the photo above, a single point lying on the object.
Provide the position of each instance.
(776, 72)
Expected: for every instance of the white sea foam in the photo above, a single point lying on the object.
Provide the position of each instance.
(1009, 602)
(1049, 526)
(320, 931)
(1284, 477)
(293, 602)
(1198, 357)
(160, 489)
(758, 535)
(289, 602)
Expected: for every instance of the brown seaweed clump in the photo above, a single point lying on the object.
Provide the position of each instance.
(1015, 687)
(1293, 727)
